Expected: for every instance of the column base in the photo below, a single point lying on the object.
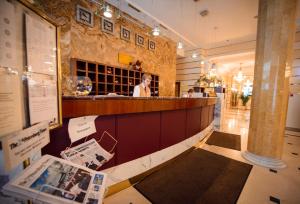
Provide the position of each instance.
(264, 161)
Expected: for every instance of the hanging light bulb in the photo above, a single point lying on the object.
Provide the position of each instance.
(180, 45)
(155, 31)
(107, 12)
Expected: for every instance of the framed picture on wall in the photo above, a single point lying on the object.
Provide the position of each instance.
(125, 33)
(107, 26)
(84, 16)
(139, 40)
(151, 45)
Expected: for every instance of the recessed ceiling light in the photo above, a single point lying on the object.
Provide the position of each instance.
(194, 55)
(202, 62)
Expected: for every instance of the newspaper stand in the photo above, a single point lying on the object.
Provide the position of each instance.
(35, 198)
(98, 141)
(34, 187)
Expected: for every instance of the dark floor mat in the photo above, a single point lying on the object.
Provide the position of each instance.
(197, 177)
(226, 140)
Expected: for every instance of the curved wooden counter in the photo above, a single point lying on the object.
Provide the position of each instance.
(140, 125)
(103, 105)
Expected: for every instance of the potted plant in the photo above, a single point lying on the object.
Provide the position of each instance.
(245, 99)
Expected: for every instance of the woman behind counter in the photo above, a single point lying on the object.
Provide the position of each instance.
(143, 90)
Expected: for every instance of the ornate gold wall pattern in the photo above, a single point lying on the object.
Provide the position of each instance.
(90, 43)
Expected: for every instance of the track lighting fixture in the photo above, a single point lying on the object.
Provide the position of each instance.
(107, 12)
(156, 31)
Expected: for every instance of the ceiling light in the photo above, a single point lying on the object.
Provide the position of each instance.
(239, 77)
(213, 66)
(202, 62)
(107, 12)
(180, 45)
(194, 55)
(155, 31)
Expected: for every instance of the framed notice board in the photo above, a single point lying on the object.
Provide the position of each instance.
(29, 51)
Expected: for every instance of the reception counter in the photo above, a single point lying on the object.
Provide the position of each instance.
(140, 125)
(105, 105)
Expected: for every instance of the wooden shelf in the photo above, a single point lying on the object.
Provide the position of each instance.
(104, 77)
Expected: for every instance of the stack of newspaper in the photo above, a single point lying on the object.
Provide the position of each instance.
(54, 180)
(89, 154)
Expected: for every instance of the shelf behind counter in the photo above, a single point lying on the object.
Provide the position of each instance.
(140, 125)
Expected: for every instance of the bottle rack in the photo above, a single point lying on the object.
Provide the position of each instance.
(112, 79)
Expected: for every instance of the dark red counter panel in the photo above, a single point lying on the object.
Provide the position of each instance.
(193, 121)
(138, 134)
(59, 138)
(204, 120)
(173, 127)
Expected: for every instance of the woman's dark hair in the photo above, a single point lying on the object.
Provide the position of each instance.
(190, 91)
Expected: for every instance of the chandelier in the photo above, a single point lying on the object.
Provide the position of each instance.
(212, 71)
(239, 77)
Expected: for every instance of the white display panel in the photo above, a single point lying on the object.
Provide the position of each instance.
(42, 95)
(40, 46)
(10, 103)
(41, 52)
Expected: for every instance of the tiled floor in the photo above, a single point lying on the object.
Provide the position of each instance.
(262, 183)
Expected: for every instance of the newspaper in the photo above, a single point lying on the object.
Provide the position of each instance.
(89, 154)
(54, 180)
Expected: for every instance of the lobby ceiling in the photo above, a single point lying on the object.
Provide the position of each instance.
(227, 21)
(229, 65)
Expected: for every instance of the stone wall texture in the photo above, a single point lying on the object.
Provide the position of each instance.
(90, 43)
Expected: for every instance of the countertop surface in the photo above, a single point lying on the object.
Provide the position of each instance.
(119, 97)
(113, 105)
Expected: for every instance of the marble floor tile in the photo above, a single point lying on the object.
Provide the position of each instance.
(127, 196)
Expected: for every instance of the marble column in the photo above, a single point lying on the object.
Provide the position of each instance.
(274, 46)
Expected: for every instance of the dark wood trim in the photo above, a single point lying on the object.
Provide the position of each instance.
(114, 106)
